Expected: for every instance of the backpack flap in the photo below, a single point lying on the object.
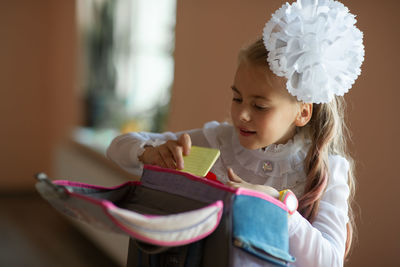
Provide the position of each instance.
(260, 226)
(170, 230)
(82, 202)
(97, 206)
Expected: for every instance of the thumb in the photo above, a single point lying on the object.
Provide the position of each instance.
(233, 176)
(186, 143)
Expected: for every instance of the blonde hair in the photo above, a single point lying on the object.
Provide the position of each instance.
(329, 135)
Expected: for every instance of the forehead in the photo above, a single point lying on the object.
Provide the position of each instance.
(259, 80)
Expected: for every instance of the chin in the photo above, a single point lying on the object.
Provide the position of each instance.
(249, 145)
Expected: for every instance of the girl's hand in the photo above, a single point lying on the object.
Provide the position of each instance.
(168, 155)
(236, 182)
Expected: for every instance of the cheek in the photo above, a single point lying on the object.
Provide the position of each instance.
(268, 117)
(265, 122)
(289, 116)
(234, 111)
(272, 122)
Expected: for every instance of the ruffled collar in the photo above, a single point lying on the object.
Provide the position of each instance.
(274, 160)
(277, 148)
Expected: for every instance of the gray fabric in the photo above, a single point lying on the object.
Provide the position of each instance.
(178, 184)
(149, 201)
(114, 195)
(143, 200)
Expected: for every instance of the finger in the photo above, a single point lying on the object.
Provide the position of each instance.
(268, 190)
(233, 184)
(176, 152)
(237, 185)
(154, 157)
(147, 156)
(167, 157)
(233, 177)
(186, 143)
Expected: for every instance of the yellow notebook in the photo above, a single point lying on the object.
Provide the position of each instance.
(200, 160)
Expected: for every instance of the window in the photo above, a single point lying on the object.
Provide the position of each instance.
(127, 66)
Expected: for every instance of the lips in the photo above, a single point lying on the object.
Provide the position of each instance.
(246, 132)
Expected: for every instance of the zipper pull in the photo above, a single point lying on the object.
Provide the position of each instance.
(60, 190)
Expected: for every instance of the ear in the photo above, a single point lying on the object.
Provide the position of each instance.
(304, 115)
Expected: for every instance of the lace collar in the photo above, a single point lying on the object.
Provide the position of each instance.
(274, 160)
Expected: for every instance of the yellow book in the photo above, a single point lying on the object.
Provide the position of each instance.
(200, 160)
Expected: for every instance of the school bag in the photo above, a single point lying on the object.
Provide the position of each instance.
(174, 218)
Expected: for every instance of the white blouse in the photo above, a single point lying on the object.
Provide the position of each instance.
(280, 166)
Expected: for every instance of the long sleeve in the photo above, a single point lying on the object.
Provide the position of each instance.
(323, 242)
(125, 149)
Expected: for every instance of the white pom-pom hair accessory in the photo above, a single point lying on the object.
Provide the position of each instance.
(316, 46)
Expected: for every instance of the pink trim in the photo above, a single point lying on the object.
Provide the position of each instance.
(192, 177)
(108, 205)
(150, 216)
(253, 193)
(79, 184)
(285, 198)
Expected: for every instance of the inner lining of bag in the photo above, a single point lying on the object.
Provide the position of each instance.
(154, 202)
(144, 200)
(112, 195)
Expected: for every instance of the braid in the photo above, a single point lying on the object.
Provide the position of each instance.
(322, 131)
(328, 133)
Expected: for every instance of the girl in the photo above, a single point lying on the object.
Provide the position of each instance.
(287, 129)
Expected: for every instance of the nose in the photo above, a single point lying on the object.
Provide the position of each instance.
(244, 115)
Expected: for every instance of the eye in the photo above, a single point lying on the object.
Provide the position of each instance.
(261, 108)
(237, 99)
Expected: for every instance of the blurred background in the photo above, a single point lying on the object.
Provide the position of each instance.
(74, 74)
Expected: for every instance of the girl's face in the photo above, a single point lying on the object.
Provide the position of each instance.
(263, 112)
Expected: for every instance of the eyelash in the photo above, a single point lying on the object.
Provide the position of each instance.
(239, 100)
(260, 108)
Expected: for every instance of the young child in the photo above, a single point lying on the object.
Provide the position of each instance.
(287, 129)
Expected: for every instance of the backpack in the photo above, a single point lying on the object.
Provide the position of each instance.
(174, 218)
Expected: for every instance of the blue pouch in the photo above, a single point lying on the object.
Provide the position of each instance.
(260, 227)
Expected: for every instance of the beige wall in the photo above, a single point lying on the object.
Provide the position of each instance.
(37, 86)
(38, 100)
(208, 36)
